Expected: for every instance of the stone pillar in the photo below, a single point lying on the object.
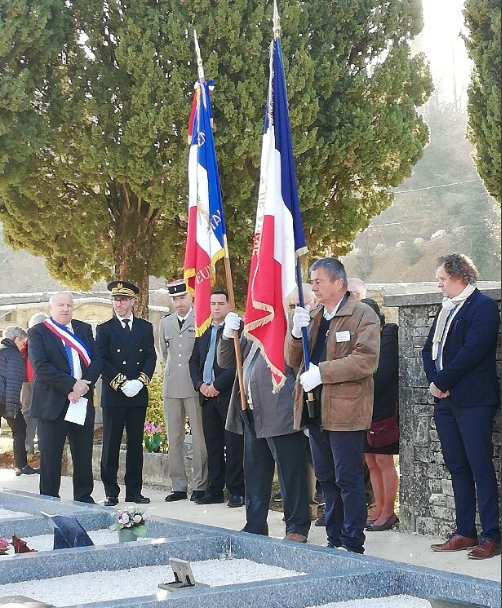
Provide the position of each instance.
(425, 494)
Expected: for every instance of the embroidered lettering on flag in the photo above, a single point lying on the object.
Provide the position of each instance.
(278, 238)
(206, 238)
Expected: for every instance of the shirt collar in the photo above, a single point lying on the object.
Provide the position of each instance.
(185, 317)
(121, 319)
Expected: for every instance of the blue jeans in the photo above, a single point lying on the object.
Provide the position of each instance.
(466, 440)
(338, 464)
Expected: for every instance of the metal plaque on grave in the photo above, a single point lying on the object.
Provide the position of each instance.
(19, 601)
(183, 576)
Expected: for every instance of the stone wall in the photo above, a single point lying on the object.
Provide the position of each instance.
(425, 495)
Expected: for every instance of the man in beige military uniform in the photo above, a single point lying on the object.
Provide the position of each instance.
(177, 338)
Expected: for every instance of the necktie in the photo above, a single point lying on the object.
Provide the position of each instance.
(126, 325)
(181, 322)
(208, 373)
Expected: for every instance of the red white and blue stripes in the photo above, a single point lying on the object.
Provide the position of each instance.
(206, 238)
(278, 238)
(70, 340)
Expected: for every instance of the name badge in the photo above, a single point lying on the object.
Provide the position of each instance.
(342, 336)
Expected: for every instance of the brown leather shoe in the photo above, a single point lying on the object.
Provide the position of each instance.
(298, 538)
(456, 542)
(487, 548)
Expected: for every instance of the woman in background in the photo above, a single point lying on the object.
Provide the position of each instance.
(380, 461)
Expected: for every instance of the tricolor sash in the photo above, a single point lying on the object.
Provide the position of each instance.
(70, 340)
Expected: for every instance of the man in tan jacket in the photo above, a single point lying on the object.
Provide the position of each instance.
(344, 344)
(177, 339)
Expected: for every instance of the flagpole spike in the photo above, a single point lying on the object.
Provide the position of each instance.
(200, 67)
(276, 21)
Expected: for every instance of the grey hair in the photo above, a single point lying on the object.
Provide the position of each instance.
(358, 285)
(37, 318)
(459, 266)
(54, 295)
(14, 331)
(333, 267)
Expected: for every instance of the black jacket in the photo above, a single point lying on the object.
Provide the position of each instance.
(386, 378)
(12, 376)
(223, 378)
(125, 357)
(53, 380)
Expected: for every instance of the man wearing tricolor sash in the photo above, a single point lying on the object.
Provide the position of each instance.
(66, 364)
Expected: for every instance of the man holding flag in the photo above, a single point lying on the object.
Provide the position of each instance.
(267, 423)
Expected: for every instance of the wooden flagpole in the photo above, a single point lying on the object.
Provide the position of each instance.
(226, 260)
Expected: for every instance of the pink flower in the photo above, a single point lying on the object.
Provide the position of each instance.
(124, 517)
(137, 518)
(4, 543)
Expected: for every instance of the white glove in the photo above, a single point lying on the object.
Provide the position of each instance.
(311, 378)
(232, 323)
(131, 388)
(301, 318)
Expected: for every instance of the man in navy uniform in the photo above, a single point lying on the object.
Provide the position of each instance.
(127, 348)
(460, 363)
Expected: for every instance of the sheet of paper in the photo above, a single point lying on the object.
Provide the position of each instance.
(77, 411)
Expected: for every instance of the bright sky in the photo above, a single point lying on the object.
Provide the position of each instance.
(440, 40)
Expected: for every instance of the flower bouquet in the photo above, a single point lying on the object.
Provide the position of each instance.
(152, 437)
(130, 524)
(4, 546)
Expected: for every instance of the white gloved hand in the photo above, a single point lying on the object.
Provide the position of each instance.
(232, 323)
(311, 378)
(301, 318)
(134, 387)
(125, 388)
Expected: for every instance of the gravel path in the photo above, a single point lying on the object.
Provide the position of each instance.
(135, 582)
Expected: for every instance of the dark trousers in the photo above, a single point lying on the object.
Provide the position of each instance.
(338, 464)
(52, 435)
(18, 427)
(225, 450)
(466, 440)
(115, 419)
(31, 423)
(260, 458)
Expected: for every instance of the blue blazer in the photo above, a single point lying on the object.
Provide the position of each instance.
(53, 381)
(469, 354)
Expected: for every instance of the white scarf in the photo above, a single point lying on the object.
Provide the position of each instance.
(447, 305)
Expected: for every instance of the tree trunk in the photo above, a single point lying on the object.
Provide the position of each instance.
(134, 226)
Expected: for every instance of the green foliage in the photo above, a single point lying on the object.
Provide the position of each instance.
(155, 409)
(412, 251)
(482, 17)
(94, 103)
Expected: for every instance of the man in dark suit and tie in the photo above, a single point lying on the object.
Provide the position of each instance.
(225, 450)
(126, 346)
(66, 365)
(460, 363)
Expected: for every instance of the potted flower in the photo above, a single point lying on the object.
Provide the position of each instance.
(4, 546)
(130, 524)
(152, 437)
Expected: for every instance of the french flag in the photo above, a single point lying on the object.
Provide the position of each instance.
(278, 238)
(206, 238)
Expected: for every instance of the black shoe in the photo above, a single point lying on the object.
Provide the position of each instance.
(320, 522)
(111, 501)
(236, 500)
(138, 499)
(210, 499)
(27, 470)
(197, 495)
(176, 496)
(276, 497)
